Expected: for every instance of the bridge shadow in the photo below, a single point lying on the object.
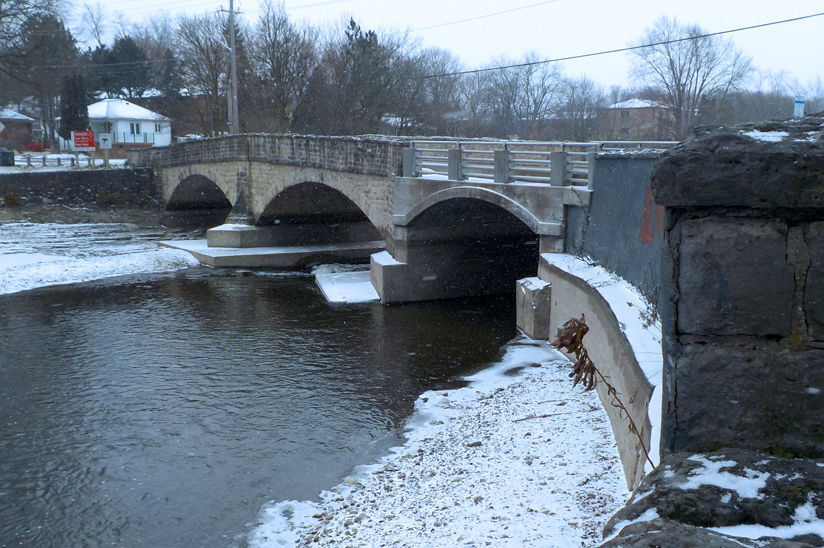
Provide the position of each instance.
(197, 202)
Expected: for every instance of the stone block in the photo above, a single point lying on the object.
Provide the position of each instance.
(532, 302)
(763, 165)
(734, 278)
(748, 393)
(814, 291)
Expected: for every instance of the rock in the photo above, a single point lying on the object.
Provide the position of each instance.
(666, 533)
(725, 488)
(764, 165)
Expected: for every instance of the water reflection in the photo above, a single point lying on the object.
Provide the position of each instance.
(163, 410)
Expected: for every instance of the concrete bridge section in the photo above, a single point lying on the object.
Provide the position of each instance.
(457, 218)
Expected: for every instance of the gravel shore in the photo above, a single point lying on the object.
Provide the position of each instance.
(517, 458)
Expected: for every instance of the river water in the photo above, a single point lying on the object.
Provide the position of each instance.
(163, 409)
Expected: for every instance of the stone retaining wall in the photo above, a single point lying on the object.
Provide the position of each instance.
(742, 289)
(95, 187)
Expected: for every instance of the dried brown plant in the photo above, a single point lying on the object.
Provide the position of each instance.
(570, 337)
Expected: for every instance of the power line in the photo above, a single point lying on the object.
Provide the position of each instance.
(515, 65)
(618, 50)
(484, 16)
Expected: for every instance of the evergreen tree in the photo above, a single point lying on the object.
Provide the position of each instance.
(74, 110)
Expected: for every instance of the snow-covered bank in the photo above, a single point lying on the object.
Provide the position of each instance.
(517, 458)
(36, 255)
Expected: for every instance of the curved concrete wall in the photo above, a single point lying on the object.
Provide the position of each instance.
(570, 294)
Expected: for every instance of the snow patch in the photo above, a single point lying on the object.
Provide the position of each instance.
(767, 136)
(711, 474)
(806, 522)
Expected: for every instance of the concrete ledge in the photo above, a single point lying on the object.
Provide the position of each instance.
(628, 355)
(276, 257)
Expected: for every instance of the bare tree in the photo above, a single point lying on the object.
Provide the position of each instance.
(93, 23)
(524, 96)
(688, 67)
(284, 57)
(581, 100)
(203, 53)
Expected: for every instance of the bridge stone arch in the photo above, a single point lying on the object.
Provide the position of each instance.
(288, 191)
(196, 199)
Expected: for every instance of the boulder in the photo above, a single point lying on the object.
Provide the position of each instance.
(687, 493)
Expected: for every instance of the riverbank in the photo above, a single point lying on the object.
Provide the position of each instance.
(517, 458)
(149, 216)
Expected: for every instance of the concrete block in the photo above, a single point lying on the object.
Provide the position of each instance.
(532, 301)
(734, 278)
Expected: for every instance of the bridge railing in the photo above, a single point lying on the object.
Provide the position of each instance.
(554, 163)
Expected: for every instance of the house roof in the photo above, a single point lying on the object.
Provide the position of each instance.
(636, 103)
(120, 109)
(7, 114)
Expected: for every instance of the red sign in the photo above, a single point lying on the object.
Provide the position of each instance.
(83, 140)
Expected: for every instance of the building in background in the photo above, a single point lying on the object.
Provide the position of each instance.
(130, 126)
(15, 129)
(636, 120)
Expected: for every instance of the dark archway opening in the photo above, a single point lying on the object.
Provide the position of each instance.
(479, 248)
(313, 214)
(197, 202)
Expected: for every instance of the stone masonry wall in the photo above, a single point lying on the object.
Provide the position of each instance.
(367, 155)
(95, 187)
(742, 289)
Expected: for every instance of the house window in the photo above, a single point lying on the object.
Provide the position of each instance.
(624, 114)
(107, 127)
(134, 128)
(157, 128)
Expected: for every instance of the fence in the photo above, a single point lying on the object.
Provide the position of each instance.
(554, 163)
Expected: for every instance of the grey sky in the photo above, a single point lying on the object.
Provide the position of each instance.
(557, 28)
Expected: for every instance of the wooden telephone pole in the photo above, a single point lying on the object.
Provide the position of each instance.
(234, 119)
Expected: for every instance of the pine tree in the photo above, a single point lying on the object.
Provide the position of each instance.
(74, 110)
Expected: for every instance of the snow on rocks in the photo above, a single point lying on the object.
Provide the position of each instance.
(517, 458)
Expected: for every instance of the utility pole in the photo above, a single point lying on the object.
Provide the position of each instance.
(234, 119)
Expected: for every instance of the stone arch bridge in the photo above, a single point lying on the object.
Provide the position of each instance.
(457, 218)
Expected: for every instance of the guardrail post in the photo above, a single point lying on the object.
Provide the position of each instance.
(591, 169)
(455, 171)
(501, 166)
(558, 163)
(409, 168)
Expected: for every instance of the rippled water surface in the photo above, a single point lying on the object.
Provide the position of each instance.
(163, 410)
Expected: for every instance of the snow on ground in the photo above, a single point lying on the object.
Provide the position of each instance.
(51, 162)
(517, 458)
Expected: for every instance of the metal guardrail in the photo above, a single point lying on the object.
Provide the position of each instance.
(553, 163)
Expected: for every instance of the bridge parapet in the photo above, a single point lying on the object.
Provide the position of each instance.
(366, 155)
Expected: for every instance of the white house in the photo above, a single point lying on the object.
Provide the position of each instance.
(129, 125)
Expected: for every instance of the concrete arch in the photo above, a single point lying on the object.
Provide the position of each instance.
(477, 193)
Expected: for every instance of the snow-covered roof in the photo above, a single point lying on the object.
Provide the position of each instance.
(120, 109)
(7, 114)
(636, 103)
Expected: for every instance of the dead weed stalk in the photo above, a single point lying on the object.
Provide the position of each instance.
(570, 337)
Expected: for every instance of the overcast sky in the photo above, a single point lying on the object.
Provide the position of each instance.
(482, 31)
